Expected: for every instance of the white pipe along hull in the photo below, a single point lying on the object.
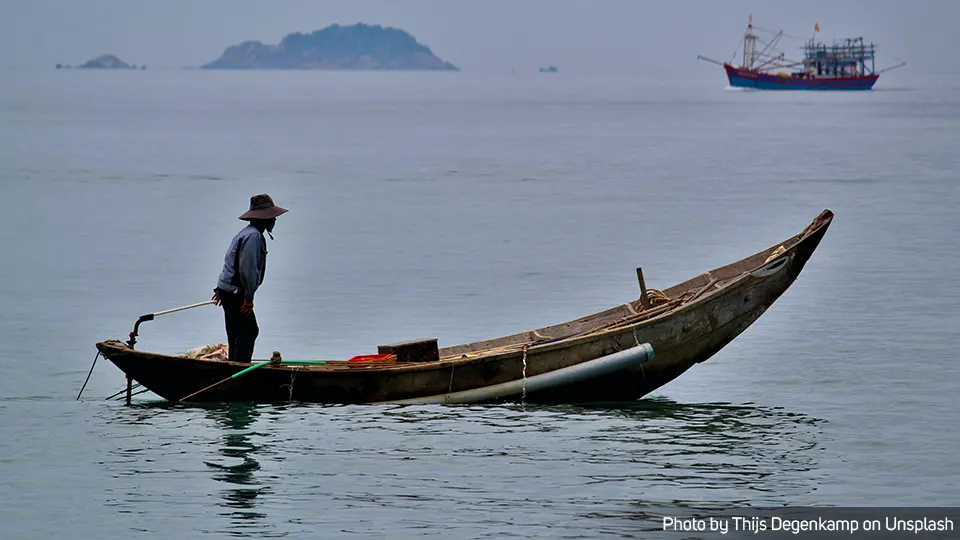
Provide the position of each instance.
(598, 367)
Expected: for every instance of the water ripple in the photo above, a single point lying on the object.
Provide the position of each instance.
(247, 470)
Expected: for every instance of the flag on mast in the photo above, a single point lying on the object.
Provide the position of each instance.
(816, 27)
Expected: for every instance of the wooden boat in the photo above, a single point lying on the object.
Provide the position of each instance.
(685, 324)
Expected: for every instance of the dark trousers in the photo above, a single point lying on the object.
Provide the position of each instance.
(242, 329)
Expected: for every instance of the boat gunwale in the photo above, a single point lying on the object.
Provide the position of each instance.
(821, 221)
(747, 73)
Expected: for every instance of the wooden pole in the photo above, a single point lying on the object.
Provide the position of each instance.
(256, 366)
(234, 376)
(644, 300)
(711, 60)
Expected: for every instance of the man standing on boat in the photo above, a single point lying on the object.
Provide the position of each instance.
(243, 269)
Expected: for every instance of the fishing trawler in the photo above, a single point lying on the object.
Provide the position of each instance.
(846, 65)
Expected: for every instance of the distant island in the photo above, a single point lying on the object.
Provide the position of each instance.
(104, 61)
(359, 46)
(548, 69)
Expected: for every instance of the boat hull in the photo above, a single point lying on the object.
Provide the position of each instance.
(709, 311)
(743, 78)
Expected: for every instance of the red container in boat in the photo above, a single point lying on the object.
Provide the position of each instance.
(374, 358)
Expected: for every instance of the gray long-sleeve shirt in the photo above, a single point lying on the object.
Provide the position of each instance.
(245, 263)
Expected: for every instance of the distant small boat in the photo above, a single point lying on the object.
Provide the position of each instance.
(848, 65)
(548, 69)
(606, 356)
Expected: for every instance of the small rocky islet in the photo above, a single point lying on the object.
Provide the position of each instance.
(358, 47)
(104, 61)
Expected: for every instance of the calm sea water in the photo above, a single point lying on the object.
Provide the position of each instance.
(466, 206)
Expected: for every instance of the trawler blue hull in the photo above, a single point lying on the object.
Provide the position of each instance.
(744, 78)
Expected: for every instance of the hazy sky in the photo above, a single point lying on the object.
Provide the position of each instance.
(596, 35)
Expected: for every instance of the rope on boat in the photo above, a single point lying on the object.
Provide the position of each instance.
(450, 386)
(523, 394)
(776, 253)
(293, 377)
(660, 303)
(781, 32)
(733, 57)
(635, 338)
(657, 297)
(89, 373)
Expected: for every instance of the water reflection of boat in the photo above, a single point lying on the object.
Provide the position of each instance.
(238, 462)
(685, 324)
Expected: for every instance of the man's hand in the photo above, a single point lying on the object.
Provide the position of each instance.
(216, 297)
(247, 306)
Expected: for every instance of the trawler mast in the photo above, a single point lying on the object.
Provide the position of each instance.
(749, 46)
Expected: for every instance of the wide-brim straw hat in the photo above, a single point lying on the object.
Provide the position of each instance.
(262, 207)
